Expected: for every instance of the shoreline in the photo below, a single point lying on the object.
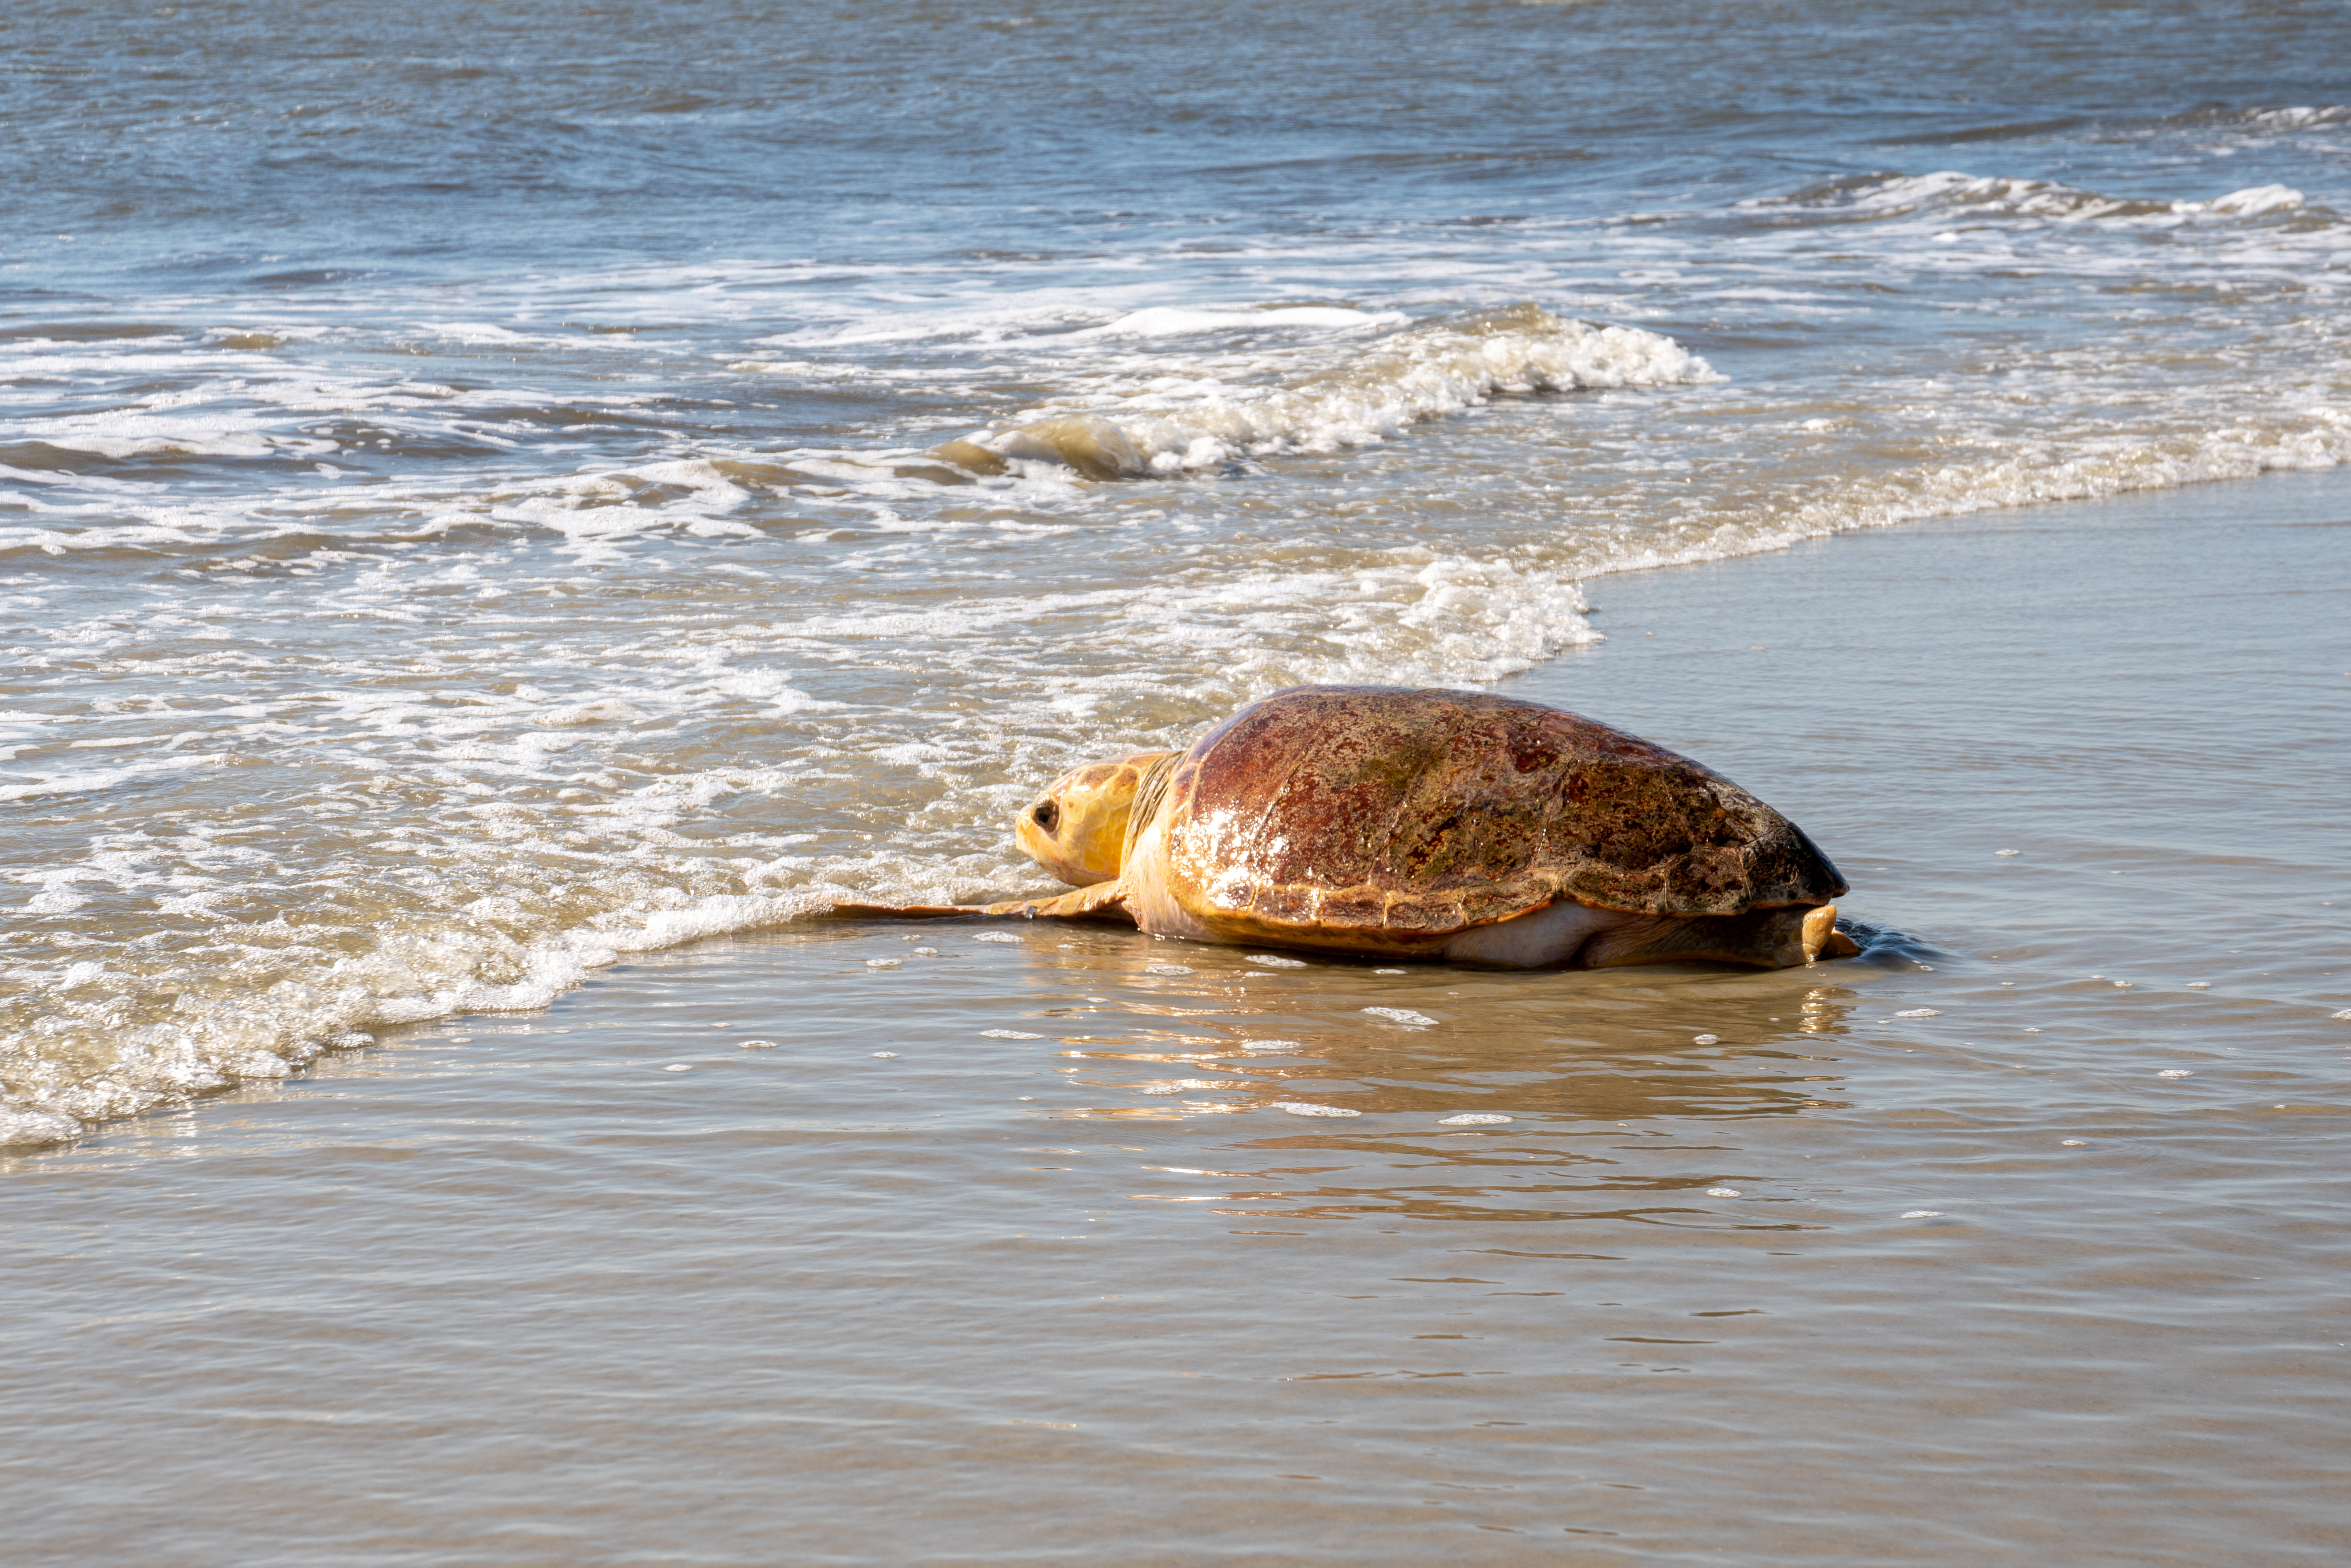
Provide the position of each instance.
(1791, 1267)
(563, 964)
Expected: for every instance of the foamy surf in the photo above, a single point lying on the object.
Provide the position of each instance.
(1420, 373)
(526, 862)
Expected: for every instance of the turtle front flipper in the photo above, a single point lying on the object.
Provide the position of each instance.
(1103, 901)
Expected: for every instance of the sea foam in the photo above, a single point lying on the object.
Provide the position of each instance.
(1418, 373)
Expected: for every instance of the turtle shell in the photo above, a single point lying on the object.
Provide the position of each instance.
(1419, 813)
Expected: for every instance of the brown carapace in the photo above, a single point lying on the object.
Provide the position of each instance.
(1430, 824)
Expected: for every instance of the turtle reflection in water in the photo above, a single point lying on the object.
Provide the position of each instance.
(1430, 824)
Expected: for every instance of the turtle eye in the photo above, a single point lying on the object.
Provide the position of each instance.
(1047, 815)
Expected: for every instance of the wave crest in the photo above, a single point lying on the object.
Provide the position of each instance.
(1420, 373)
(1868, 198)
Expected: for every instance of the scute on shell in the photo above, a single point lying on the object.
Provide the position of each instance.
(1364, 808)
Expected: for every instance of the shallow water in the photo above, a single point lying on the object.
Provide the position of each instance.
(1006, 1251)
(469, 486)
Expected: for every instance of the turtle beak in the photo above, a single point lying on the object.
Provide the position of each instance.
(1033, 832)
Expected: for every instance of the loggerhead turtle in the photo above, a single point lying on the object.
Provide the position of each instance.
(1430, 824)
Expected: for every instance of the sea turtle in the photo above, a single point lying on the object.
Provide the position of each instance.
(1430, 824)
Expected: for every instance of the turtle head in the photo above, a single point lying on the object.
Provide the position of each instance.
(1077, 827)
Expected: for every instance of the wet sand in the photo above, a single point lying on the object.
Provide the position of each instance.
(1928, 1257)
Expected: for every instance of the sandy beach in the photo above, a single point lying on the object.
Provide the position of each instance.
(2016, 1240)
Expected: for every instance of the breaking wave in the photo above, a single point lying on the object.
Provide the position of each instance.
(1865, 198)
(1420, 373)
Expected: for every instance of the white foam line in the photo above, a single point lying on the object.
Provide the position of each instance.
(409, 978)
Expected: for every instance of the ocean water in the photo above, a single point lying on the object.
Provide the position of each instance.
(484, 493)
(506, 514)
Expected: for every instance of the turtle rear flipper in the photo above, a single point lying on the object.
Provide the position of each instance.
(1768, 939)
(1824, 940)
